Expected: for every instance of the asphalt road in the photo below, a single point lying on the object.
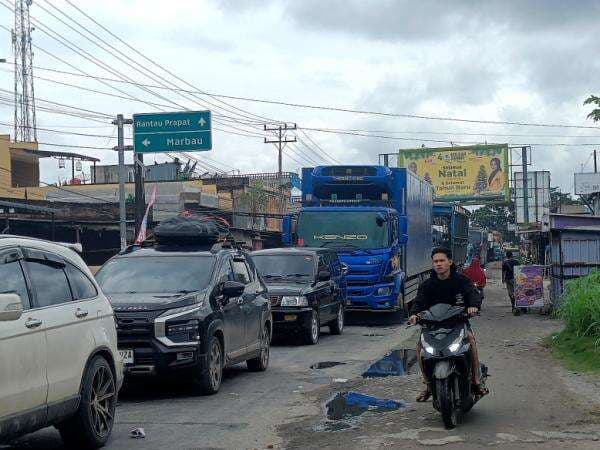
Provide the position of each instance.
(249, 407)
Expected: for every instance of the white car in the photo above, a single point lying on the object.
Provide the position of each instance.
(59, 363)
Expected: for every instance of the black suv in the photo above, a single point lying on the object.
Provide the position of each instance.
(307, 289)
(183, 310)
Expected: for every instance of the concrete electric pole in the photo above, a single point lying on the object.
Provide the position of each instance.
(280, 142)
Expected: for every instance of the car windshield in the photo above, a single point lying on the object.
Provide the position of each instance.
(156, 274)
(285, 266)
(352, 229)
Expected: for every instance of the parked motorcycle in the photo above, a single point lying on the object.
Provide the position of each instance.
(447, 361)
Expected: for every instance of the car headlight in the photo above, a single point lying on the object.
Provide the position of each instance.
(294, 301)
(192, 307)
(386, 290)
(183, 331)
(457, 342)
(428, 348)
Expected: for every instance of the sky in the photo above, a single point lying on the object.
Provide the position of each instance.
(527, 61)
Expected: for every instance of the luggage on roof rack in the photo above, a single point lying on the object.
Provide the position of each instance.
(188, 230)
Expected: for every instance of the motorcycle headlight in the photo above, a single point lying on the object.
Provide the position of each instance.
(457, 342)
(428, 348)
(294, 301)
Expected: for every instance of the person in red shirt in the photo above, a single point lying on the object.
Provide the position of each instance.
(476, 274)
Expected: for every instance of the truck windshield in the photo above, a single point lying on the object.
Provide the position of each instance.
(156, 274)
(285, 266)
(352, 229)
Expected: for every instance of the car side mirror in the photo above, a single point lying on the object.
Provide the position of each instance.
(324, 275)
(11, 307)
(233, 289)
(345, 269)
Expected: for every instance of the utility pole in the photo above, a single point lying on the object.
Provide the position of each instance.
(280, 143)
(121, 149)
(525, 187)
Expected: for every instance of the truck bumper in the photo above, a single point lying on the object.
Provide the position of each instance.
(365, 298)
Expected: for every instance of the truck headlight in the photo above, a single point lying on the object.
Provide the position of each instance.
(386, 290)
(294, 301)
(183, 331)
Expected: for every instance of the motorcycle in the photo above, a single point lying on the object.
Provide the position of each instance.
(447, 361)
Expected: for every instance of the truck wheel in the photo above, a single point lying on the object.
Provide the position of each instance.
(313, 331)
(209, 381)
(337, 326)
(261, 363)
(92, 424)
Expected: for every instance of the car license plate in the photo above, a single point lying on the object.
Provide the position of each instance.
(126, 356)
(290, 317)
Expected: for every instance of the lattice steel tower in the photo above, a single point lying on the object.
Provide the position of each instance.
(25, 123)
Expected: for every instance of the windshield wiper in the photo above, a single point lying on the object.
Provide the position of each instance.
(340, 245)
(187, 291)
(272, 276)
(296, 275)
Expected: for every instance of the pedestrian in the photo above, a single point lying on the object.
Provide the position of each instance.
(476, 274)
(508, 277)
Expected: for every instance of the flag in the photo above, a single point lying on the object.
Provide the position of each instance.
(143, 227)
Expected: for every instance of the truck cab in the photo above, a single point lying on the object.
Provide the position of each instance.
(378, 220)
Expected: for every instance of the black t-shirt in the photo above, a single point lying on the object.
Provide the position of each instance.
(508, 268)
(455, 290)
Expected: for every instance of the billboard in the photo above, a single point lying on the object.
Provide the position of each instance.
(477, 172)
(587, 183)
(538, 198)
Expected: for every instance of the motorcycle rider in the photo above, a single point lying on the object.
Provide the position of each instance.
(446, 285)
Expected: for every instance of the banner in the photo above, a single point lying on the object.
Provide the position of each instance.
(529, 286)
(478, 172)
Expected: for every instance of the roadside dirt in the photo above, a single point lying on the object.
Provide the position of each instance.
(534, 402)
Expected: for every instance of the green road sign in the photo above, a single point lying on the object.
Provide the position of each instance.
(187, 131)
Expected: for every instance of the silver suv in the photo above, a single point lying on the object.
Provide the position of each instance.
(58, 345)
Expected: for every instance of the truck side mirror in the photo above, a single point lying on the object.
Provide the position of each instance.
(324, 275)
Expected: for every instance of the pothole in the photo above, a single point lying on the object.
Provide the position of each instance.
(327, 364)
(394, 364)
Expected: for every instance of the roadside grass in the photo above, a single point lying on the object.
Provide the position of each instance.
(578, 354)
(578, 345)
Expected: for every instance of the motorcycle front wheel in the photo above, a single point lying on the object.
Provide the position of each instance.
(445, 392)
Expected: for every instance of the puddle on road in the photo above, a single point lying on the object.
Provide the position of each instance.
(327, 364)
(352, 404)
(396, 363)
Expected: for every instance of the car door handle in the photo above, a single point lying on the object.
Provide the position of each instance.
(81, 313)
(33, 323)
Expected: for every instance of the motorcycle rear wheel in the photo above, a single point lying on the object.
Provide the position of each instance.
(445, 394)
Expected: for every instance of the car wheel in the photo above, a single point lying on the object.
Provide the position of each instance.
(313, 331)
(92, 424)
(337, 326)
(209, 381)
(260, 363)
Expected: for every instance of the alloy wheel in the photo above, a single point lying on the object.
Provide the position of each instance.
(102, 401)
(215, 364)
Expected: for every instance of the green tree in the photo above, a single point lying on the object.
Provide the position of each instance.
(254, 201)
(481, 180)
(595, 114)
(558, 198)
(495, 217)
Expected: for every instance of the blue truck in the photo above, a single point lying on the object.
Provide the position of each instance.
(378, 219)
(451, 230)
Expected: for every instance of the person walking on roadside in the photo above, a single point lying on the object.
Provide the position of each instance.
(508, 277)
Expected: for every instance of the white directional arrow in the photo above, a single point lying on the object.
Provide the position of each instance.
(146, 142)
(201, 122)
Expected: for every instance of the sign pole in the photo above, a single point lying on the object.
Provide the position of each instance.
(525, 187)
